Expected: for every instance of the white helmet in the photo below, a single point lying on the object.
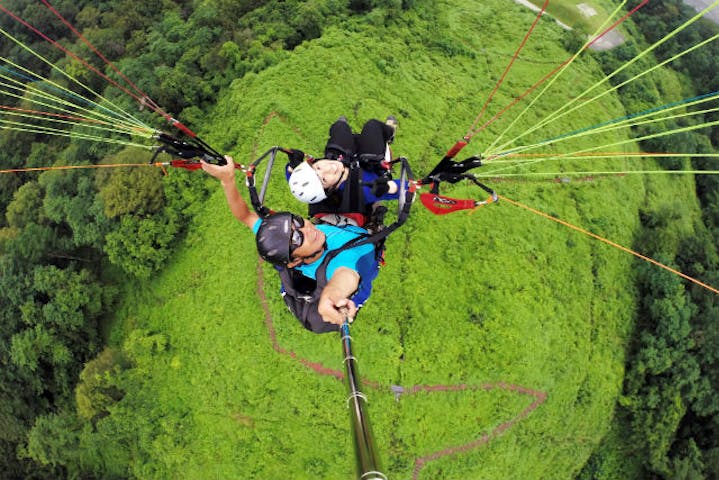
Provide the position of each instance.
(305, 185)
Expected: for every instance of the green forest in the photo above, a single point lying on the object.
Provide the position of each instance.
(142, 338)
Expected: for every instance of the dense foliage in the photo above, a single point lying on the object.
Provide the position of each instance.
(669, 410)
(67, 231)
(131, 340)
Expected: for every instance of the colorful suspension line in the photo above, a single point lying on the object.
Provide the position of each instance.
(140, 96)
(597, 173)
(72, 118)
(28, 128)
(631, 120)
(66, 120)
(509, 66)
(65, 51)
(118, 111)
(624, 123)
(518, 158)
(20, 86)
(568, 108)
(184, 163)
(521, 160)
(560, 69)
(611, 243)
(79, 167)
(633, 140)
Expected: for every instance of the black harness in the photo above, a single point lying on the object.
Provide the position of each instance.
(351, 198)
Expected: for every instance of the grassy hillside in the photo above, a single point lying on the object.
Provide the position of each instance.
(512, 328)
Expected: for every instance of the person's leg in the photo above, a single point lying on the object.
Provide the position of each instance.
(372, 142)
(341, 141)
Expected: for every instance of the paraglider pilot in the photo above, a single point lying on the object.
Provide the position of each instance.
(296, 246)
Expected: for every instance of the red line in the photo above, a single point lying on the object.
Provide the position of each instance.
(66, 51)
(70, 117)
(82, 167)
(590, 154)
(56, 115)
(92, 47)
(144, 99)
(509, 66)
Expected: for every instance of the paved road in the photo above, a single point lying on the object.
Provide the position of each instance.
(699, 5)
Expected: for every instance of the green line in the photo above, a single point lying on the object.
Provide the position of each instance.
(522, 163)
(17, 126)
(608, 172)
(633, 140)
(120, 127)
(556, 77)
(33, 91)
(615, 126)
(632, 123)
(647, 137)
(623, 156)
(556, 115)
(28, 92)
(630, 120)
(119, 110)
(75, 123)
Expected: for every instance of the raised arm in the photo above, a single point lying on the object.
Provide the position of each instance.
(226, 175)
(334, 299)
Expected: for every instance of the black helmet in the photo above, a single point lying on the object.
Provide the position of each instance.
(273, 238)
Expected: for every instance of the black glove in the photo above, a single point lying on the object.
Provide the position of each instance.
(295, 157)
(380, 186)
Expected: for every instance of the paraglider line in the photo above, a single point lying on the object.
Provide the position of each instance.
(610, 243)
(509, 66)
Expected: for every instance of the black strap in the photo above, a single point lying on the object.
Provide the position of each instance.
(321, 273)
(353, 196)
(190, 148)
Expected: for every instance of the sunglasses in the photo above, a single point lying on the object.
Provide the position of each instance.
(297, 238)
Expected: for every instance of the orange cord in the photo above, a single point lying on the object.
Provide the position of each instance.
(613, 244)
